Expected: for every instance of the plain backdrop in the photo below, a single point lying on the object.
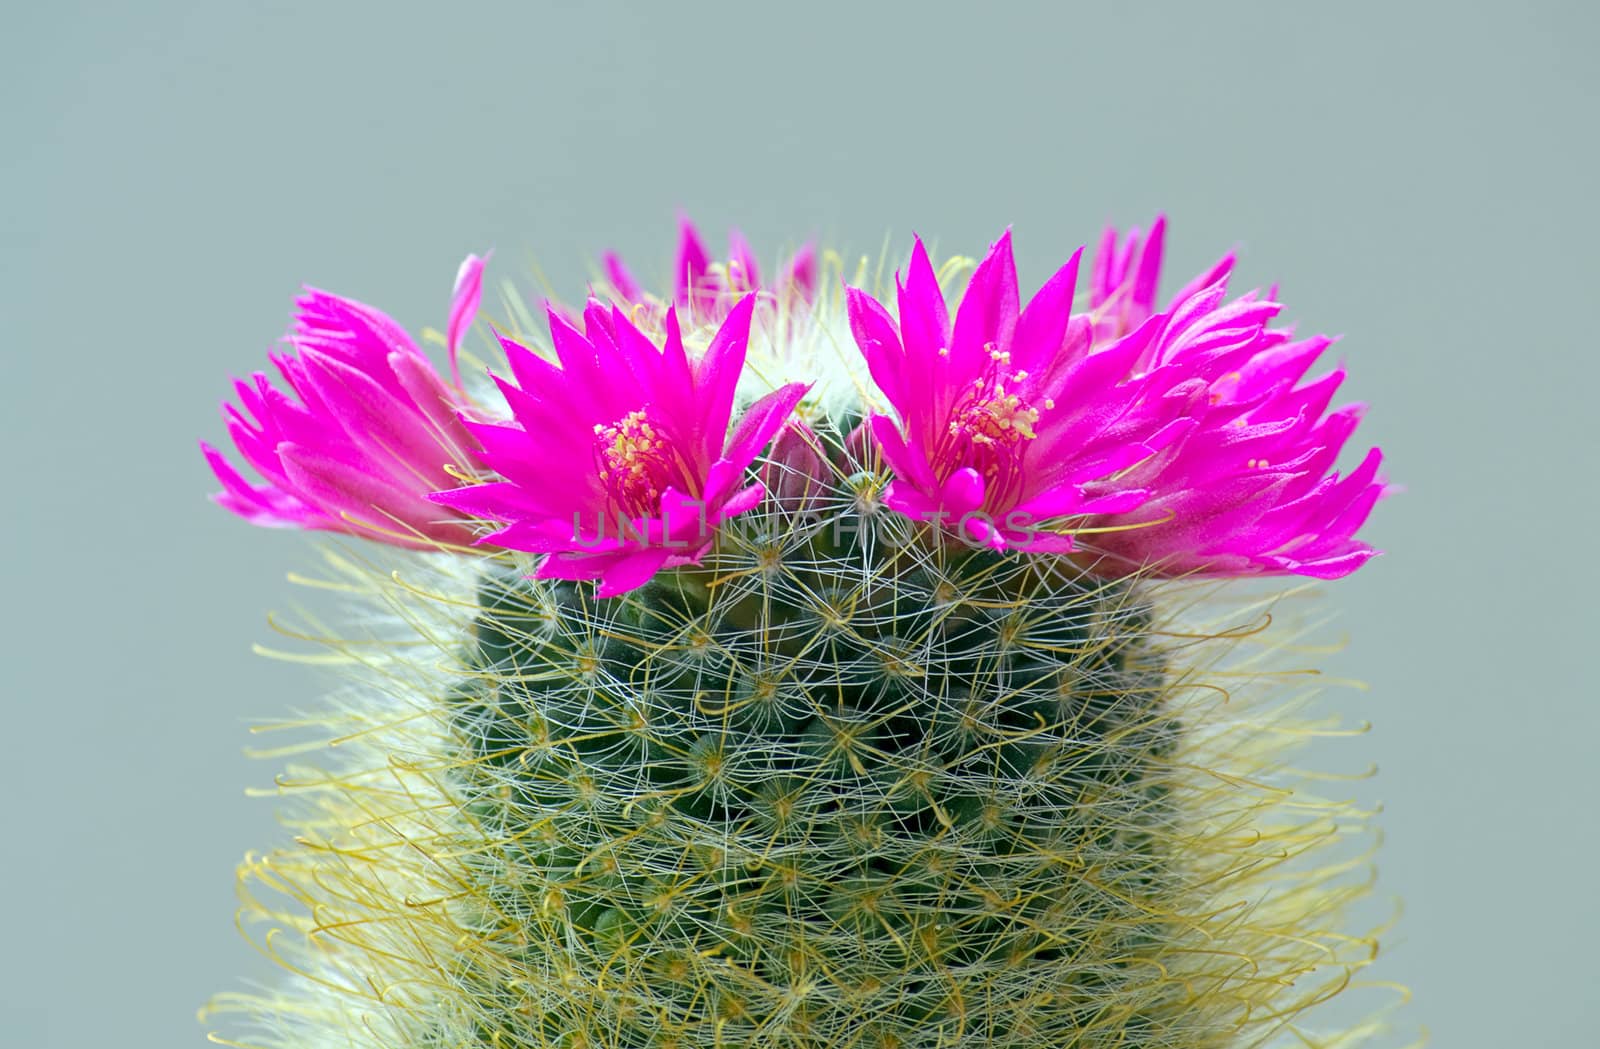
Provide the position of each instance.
(1419, 177)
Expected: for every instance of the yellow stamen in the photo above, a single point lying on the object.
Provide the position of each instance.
(632, 457)
(999, 418)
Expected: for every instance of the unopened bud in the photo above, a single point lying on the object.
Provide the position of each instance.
(796, 473)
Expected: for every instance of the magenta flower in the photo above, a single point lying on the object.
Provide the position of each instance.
(988, 440)
(619, 462)
(1178, 439)
(366, 431)
(705, 290)
(1250, 487)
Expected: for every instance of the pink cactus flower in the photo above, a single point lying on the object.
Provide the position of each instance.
(1250, 488)
(365, 432)
(619, 462)
(988, 440)
(1174, 442)
(705, 290)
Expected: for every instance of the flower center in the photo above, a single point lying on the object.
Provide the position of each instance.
(995, 417)
(634, 460)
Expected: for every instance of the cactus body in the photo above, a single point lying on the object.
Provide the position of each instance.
(841, 768)
(839, 787)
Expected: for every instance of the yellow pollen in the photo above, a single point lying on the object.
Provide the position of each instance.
(631, 456)
(1000, 418)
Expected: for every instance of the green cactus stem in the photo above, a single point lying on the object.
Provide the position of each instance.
(839, 786)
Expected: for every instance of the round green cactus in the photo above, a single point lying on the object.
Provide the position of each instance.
(932, 732)
(839, 786)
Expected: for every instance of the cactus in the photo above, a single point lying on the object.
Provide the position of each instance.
(843, 777)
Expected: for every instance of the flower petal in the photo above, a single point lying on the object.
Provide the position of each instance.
(464, 299)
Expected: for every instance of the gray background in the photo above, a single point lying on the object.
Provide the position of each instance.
(1420, 178)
